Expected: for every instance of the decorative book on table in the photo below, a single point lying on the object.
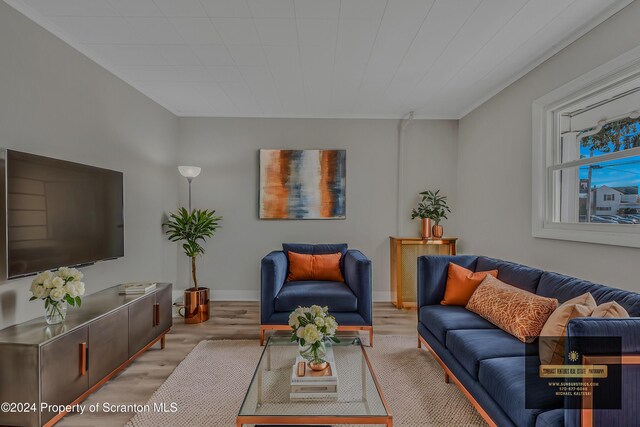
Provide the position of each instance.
(315, 385)
(136, 288)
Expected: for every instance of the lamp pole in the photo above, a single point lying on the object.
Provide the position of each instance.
(189, 180)
(189, 172)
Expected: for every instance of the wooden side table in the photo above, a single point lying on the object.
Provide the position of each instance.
(404, 254)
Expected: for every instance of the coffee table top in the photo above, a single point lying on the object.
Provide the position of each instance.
(358, 391)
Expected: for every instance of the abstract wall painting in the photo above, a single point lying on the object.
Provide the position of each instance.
(302, 184)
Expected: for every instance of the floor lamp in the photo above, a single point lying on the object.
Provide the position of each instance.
(189, 172)
(196, 302)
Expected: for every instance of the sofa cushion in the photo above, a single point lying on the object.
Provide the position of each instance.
(563, 288)
(517, 275)
(315, 249)
(439, 319)
(630, 301)
(504, 379)
(344, 318)
(335, 295)
(470, 347)
(514, 310)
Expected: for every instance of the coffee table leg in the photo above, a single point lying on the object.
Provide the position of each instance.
(238, 423)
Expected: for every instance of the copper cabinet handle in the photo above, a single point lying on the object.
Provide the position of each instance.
(83, 358)
(156, 319)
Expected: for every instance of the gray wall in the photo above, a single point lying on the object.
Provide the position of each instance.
(494, 166)
(227, 151)
(56, 102)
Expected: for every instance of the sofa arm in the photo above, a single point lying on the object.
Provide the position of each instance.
(432, 275)
(628, 329)
(629, 332)
(357, 275)
(273, 273)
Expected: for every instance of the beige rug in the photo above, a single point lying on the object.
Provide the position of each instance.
(209, 384)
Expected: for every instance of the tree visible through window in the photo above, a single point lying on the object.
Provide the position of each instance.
(615, 136)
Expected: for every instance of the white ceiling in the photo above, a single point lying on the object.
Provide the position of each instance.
(318, 58)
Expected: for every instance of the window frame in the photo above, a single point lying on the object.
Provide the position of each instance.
(546, 152)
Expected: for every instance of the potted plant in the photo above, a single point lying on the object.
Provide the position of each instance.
(193, 228)
(432, 208)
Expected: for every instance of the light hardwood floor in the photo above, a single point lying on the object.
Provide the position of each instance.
(229, 320)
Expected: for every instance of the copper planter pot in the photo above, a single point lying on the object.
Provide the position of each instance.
(425, 232)
(437, 231)
(196, 305)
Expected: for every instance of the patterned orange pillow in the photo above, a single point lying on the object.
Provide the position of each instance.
(518, 312)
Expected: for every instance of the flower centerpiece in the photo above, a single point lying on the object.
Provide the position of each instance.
(312, 327)
(58, 289)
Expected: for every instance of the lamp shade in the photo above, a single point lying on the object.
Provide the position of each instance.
(189, 171)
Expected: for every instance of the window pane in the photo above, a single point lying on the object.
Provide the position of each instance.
(604, 192)
(615, 136)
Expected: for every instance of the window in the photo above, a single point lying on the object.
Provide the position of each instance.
(586, 165)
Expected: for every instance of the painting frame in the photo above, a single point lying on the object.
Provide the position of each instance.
(302, 184)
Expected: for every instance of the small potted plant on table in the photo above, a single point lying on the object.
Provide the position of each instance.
(432, 209)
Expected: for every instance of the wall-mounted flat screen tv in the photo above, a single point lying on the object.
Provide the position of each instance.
(59, 213)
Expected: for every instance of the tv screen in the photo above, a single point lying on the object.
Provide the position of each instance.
(60, 213)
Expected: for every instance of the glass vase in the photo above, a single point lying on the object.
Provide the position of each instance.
(315, 352)
(55, 312)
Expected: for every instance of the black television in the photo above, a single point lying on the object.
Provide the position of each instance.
(59, 213)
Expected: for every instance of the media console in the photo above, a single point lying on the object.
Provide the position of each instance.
(63, 364)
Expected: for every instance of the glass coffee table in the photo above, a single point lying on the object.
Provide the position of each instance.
(359, 401)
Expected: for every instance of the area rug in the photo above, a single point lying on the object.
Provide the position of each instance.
(207, 387)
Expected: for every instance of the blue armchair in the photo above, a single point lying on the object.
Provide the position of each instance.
(350, 302)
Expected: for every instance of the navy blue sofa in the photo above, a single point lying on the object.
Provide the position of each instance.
(489, 364)
(349, 301)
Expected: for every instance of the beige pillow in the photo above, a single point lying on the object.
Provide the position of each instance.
(516, 311)
(552, 347)
(610, 310)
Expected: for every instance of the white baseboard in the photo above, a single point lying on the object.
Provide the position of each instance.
(239, 295)
(381, 296)
(234, 295)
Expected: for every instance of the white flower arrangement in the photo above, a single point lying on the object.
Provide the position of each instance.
(62, 285)
(311, 327)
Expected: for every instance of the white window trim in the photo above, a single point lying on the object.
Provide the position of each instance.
(616, 72)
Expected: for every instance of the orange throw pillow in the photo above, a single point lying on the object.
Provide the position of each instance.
(314, 267)
(516, 311)
(461, 283)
